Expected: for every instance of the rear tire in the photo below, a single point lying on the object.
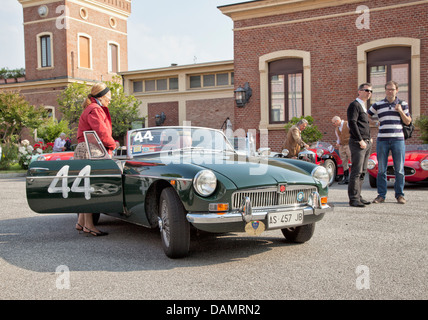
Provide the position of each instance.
(174, 227)
(372, 181)
(299, 234)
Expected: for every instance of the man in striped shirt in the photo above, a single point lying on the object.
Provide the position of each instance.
(390, 111)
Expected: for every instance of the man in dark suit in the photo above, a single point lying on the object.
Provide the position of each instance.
(360, 144)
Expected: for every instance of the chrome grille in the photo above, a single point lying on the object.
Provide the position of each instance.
(270, 197)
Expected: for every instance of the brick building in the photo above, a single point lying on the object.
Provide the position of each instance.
(309, 56)
(201, 94)
(68, 41)
(304, 57)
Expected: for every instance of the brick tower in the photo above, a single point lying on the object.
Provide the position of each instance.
(71, 40)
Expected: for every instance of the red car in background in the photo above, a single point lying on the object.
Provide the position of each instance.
(415, 165)
(324, 154)
(65, 155)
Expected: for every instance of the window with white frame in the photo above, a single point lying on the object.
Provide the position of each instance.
(386, 64)
(211, 80)
(154, 85)
(113, 58)
(50, 111)
(285, 90)
(44, 50)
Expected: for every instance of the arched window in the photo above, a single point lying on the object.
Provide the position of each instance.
(45, 45)
(385, 59)
(386, 64)
(44, 50)
(285, 90)
(285, 87)
(51, 111)
(113, 57)
(84, 51)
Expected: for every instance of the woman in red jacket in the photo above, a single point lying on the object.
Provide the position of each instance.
(96, 117)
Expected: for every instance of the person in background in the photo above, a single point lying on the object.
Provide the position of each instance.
(293, 142)
(342, 134)
(67, 144)
(96, 117)
(390, 112)
(360, 144)
(59, 144)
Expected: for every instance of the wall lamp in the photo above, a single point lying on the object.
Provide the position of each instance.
(243, 95)
(160, 118)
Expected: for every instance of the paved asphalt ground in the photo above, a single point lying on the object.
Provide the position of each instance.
(379, 252)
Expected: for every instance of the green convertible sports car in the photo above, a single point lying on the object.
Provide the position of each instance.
(173, 178)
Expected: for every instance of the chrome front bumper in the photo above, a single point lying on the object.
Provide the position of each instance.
(247, 214)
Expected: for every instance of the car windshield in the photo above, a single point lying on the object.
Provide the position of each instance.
(150, 140)
(323, 145)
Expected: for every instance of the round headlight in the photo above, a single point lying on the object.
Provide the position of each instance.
(371, 164)
(285, 152)
(321, 174)
(320, 152)
(205, 183)
(424, 164)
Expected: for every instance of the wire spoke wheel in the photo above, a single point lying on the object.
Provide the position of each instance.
(174, 227)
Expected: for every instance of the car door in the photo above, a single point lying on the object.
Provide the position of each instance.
(76, 186)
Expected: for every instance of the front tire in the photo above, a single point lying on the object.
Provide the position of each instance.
(299, 234)
(174, 227)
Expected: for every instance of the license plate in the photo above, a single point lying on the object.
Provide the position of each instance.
(281, 220)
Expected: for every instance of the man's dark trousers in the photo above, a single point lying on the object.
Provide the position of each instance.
(359, 159)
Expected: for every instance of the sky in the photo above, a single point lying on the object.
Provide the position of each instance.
(160, 33)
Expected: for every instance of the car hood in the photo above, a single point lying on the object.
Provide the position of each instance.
(414, 155)
(241, 171)
(417, 155)
(259, 171)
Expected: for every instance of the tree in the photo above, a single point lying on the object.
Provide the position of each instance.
(51, 130)
(123, 109)
(422, 124)
(70, 102)
(311, 133)
(16, 114)
(5, 73)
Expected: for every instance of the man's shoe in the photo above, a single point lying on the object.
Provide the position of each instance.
(379, 199)
(357, 204)
(365, 202)
(401, 200)
(344, 181)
